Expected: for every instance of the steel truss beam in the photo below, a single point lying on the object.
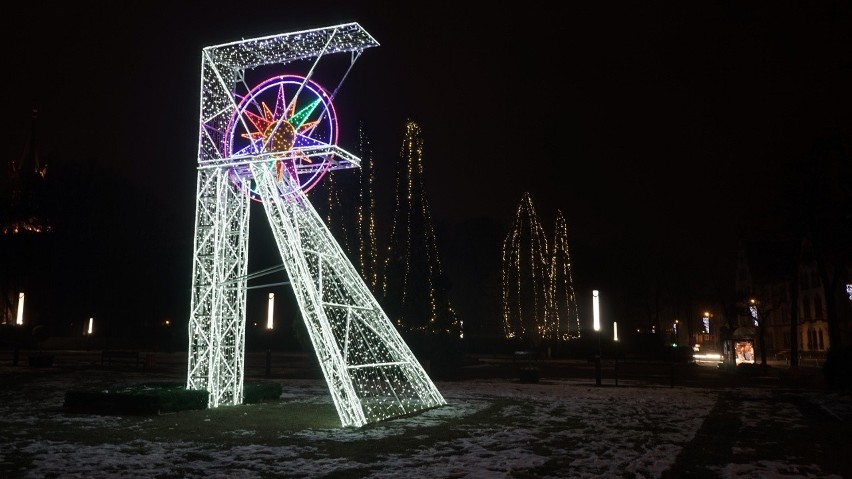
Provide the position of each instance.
(218, 303)
(371, 372)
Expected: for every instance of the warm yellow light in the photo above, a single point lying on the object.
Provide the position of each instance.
(615, 331)
(91, 323)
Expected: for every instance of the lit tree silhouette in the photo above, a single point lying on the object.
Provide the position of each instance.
(365, 224)
(414, 287)
(564, 320)
(339, 216)
(526, 277)
(354, 225)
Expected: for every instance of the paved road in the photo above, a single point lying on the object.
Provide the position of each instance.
(283, 365)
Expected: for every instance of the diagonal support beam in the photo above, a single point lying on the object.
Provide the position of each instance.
(371, 372)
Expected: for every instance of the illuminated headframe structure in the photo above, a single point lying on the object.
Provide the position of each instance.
(271, 143)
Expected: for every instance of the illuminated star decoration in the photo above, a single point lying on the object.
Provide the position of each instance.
(302, 116)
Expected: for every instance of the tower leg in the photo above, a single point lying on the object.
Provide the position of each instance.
(217, 311)
(371, 373)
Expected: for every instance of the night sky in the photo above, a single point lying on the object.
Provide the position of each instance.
(652, 126)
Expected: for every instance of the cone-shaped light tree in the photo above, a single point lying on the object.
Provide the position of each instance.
(415, 289)
(354, 223)
(367, 251)
(339, 216)
(564, 319)
(526, 277)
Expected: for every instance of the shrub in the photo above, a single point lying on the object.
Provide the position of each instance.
(263, 391)
(152, 398)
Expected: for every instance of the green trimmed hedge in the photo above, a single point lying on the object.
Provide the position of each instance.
(262, 391)
(150, 398)
(156, 398)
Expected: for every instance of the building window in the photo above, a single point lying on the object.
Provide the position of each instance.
(821, 344)
(811, 339)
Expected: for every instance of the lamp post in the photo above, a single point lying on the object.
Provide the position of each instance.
(597, 326)
(19, 320)
(270, 307)
(676, 339)
(615, 345)
(269, 310)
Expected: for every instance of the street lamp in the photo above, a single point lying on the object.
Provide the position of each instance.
(596, 309)
(270, 308)
(676, 340)
(20, 319)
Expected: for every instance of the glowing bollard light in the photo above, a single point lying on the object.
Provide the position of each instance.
(269, 310)
(615, 339)
(597, 325)
(20, 319)
(597, 310)
(91, 323)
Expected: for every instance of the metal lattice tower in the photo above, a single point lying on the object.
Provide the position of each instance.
(251, 150)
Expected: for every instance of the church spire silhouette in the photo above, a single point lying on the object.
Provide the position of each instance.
(24, 208)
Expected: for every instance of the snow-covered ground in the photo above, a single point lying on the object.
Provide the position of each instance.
(489, 429)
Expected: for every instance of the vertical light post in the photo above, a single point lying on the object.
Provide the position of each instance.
(269, 310)
(91, 324)
(20, 319)
(615, 340)
(596, 308)
(676, 339)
